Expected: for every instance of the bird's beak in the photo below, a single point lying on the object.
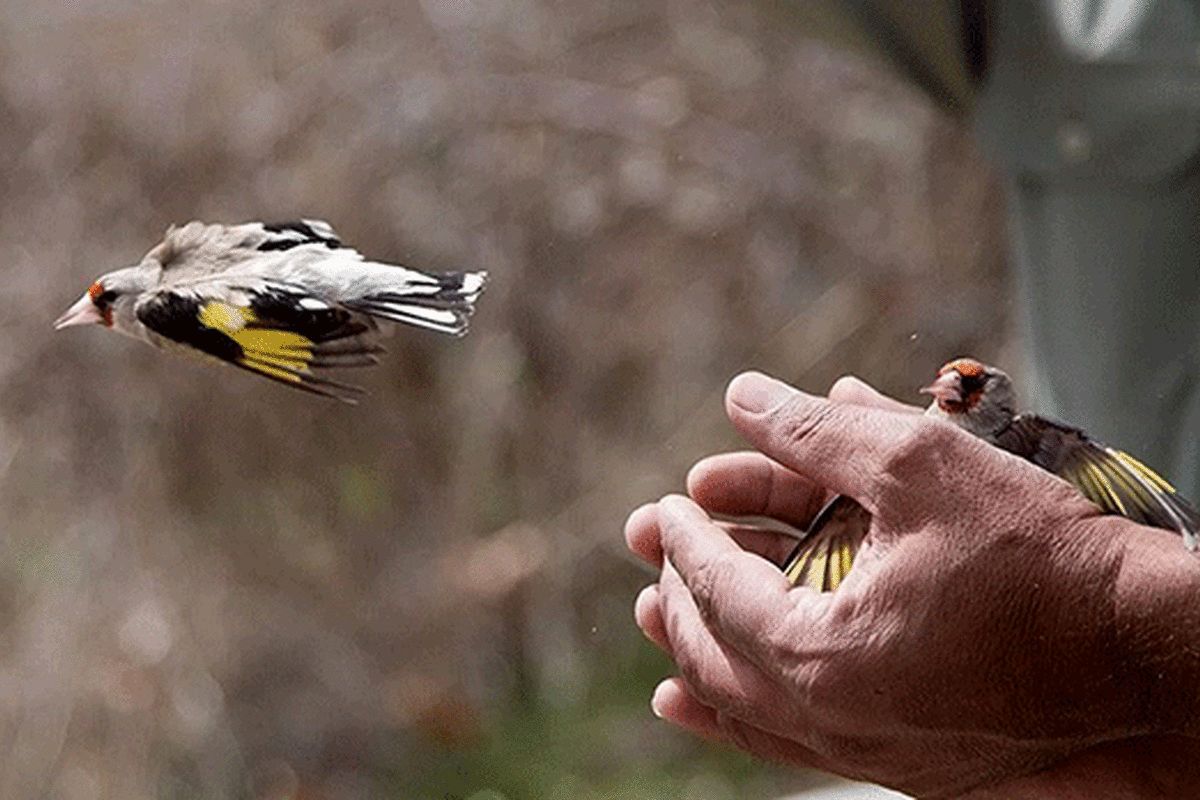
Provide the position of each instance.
(947, 387)
(84, 312)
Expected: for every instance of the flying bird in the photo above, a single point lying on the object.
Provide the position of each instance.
(980, 399)
(285, 301)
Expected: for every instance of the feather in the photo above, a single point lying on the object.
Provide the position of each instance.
(824, 555)
(443, 302)
(286, 235)
(275, 332)
(308, 257)
(1112, 479)
(278, 299)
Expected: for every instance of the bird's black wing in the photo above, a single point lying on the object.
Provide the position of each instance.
(275, 330)
(286, 235)
(827, 551)
(1110, 478)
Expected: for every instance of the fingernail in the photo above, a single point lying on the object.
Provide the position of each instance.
(756, 392)
(675, 504)
(658, 699)
(647, 598)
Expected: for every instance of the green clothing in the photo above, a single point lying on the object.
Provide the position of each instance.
(1098, 140)
(1092, 111)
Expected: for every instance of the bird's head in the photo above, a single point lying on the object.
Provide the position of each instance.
(973, 396)
(110, 294)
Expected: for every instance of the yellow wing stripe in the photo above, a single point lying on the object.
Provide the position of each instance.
(281, 362)
(1142, 491)
(847, 555)
(1101, 481)
(268, 340)
(816, 569)
(1136, 489)
(271, 371)
(279, 354)
(1142, 470)
(225, 317)
(797, 568)
(1087, 484)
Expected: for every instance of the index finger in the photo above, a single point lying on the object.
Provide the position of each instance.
(842, 446)
(851, 390)
(750, 484)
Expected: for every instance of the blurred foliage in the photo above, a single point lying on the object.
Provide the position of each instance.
(603, 746)
(212, 587)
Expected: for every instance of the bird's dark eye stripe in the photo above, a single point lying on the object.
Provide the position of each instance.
(973, 383)
(104, 298)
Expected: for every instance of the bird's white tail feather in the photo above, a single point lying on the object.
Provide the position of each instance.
(473, 283)
(441, 302)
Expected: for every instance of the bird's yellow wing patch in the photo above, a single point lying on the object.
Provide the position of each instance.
(808, 568)
(1120, 484)
(1142, 470)
(826, 554)
(279, 354)
(1112, 479)
(278, 332)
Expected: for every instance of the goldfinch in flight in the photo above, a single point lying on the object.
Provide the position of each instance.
(284, 301)
(980, 400)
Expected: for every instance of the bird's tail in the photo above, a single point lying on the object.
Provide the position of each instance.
(441, 301)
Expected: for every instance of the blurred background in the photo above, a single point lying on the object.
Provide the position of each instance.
(213, 587)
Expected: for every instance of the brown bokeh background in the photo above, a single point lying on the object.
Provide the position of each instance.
(213, 587)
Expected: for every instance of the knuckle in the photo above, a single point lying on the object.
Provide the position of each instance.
(814, 688)
(711, 580)
(844, 384)
(849, 389)
(694, 676)
(798, 420)
(711, 690)
(921, 447)
(697, 674)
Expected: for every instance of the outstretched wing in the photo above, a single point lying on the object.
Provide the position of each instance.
(1110, 478)
(275, 330)
(827, 551)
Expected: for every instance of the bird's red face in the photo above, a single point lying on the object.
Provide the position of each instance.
(959, 386)
(94, 308)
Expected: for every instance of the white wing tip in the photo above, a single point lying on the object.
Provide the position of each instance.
(473, 282)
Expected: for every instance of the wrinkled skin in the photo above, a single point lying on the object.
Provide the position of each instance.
(997, 637)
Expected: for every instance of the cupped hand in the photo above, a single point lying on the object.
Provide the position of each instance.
(990, 637)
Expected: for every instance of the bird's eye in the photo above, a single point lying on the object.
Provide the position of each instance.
(104, 298)
(973, 383)
(101, 296)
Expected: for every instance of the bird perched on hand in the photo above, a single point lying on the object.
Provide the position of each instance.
(283, 301)
(980, 400)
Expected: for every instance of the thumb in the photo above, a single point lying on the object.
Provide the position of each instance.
(842, 446)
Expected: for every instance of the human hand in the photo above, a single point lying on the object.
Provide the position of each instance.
(991, 625)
